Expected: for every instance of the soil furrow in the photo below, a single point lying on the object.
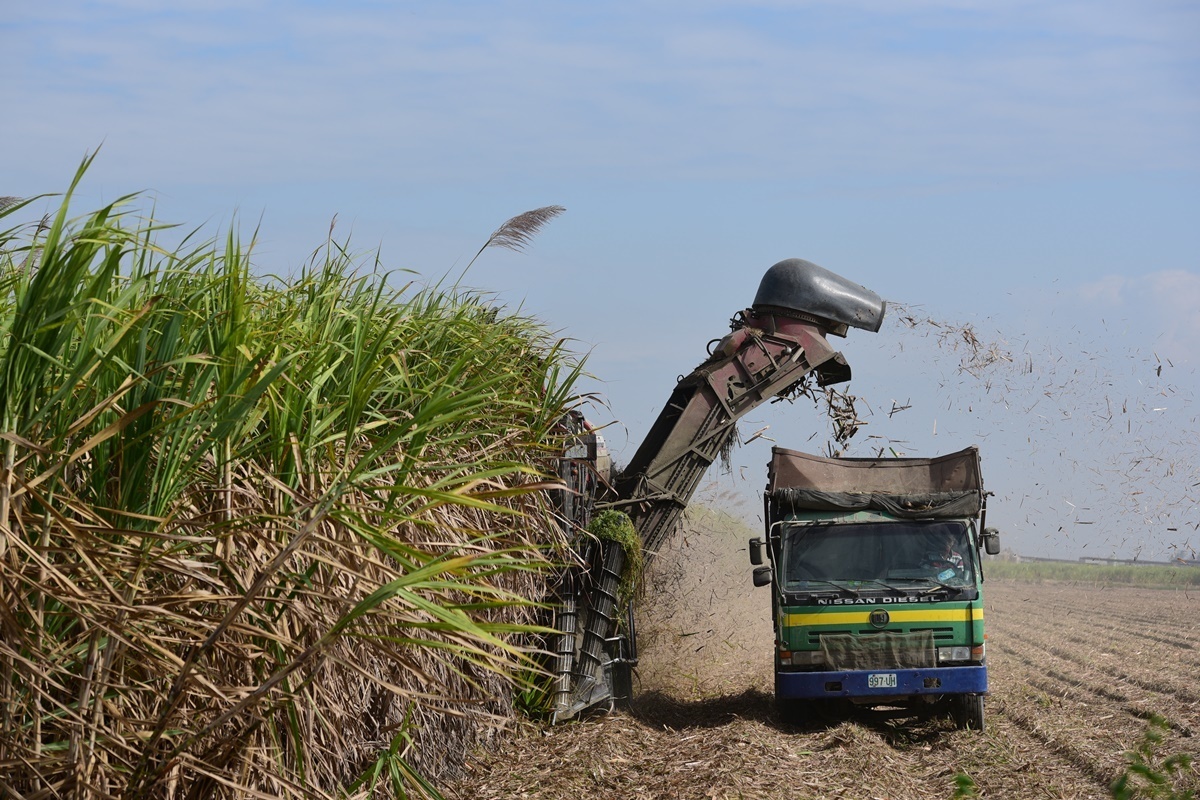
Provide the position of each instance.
(1162, 682)
(1102, 771)
(1129, 637)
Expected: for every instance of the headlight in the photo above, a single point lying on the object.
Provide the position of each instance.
(954, 654)
(807, 658)
(960, 653)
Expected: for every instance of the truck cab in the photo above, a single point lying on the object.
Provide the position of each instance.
(877, 582)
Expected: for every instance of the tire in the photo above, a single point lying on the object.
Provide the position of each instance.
(968, 712)
(626, 657)
(622, 684)
(809, 711)
(790, 710)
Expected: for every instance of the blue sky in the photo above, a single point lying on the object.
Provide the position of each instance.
(1031, 169)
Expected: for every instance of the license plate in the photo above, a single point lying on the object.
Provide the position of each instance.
(881, 680)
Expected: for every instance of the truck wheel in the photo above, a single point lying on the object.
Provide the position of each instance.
(789, 710)
(968, 712)
(809, 711)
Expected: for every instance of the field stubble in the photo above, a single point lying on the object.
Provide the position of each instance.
(1076, 673)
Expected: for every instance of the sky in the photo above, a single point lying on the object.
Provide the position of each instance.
(1026, 172)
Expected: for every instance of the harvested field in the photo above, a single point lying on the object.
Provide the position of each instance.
(1076, 673)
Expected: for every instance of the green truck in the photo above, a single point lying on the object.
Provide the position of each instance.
(877, 583)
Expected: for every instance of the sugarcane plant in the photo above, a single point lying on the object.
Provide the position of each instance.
(259, 536)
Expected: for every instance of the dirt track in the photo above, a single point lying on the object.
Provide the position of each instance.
(1075, 674)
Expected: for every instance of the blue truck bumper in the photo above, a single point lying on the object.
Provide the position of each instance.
(859, 683)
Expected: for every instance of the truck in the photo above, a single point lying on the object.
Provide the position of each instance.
(774, 348)
(877, 583)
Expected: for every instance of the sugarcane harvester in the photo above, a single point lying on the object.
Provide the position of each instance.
(772, 349)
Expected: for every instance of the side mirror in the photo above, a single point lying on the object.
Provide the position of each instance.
(762, 576)
(756, 553)
(991, 541)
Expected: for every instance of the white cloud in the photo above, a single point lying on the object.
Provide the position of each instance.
(1108, 291)
(629, 90)
(1166, 304)
(1175, 302)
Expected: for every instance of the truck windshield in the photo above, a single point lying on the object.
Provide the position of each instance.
(885, 555)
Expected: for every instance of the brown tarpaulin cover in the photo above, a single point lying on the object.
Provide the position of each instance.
(879, 651)
(949, 485)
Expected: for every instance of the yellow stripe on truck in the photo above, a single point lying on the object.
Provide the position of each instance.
(864, 617)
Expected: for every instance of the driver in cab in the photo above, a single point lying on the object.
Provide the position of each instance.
(943, 559)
